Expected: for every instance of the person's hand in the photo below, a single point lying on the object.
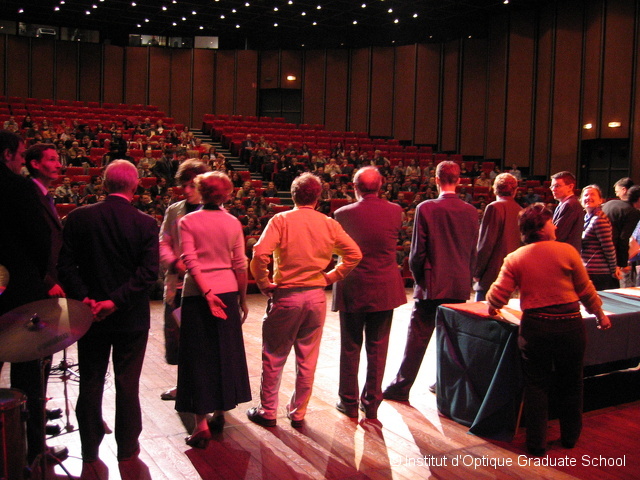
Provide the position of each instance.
(492, 311)
(103, 309)
(56, 292)
(604, 323)
(244, 309)
(180, 267)
(269, 289)
(216, 306)
(618, 273)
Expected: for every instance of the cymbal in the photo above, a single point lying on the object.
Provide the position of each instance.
(4, 279)
(42, 328)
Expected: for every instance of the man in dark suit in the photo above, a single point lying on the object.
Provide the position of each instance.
(442, 259)
(25, 246)
(568, 216)
(623, 217)
(109, 259)
(366, 298)
(247, 148)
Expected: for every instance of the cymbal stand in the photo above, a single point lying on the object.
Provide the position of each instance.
(65, 375)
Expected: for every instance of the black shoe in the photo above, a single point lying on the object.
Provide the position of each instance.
(199, 440)
(254, 415)
(216, 424)
(432, 388)
(371, 415)
(536, 452)
(57, 452)
(54, 414)
(295, 423)
(389, 394)
(349, 412)
(52, 429)
(169, 394)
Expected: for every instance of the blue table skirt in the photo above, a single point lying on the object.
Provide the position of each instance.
(479, 376)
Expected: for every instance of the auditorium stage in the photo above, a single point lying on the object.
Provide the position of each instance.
(411, 440)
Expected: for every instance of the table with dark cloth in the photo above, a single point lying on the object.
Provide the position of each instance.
(479, 375)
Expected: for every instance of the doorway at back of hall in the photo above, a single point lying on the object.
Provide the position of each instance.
(604, 162)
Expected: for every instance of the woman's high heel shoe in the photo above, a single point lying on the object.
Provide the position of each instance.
(199, 440)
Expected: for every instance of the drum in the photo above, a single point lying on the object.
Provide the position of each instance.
(13, 440)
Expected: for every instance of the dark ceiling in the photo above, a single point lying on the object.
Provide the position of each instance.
(259, 24)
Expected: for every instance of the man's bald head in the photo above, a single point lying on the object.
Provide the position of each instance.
(367, 180)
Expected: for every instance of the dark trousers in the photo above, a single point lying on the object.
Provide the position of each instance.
(25, 376)
(376, 327)
(171, 331)
(421, 326)
(93, 359)
(552, 354)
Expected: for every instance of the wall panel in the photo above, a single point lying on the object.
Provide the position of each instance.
(90, 68)
(225, 81)
(450, 97)
(359, 90)
(566, 89)
(42, 68)
(136, 75)
(592, 73)
(18, 74)
(3, 40)
(519, 87)
(473, 112)
(113, 74)
(67, 70)
(404, 92)
(160, 77)
(381, 106)
(313, 94)
(541, 146)
(291, 64)
(427, 95)
(270, 69)
(247, 79)
(203, 75)
(337, 90)
(618, 68)
(496, 101)
(181, 86)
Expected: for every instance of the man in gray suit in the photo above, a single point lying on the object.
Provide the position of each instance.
(442, 259)
(366, 298)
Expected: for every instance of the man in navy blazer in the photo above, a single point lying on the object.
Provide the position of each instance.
(109, 259)
(442, 260)
(367, 296)
(568, 216)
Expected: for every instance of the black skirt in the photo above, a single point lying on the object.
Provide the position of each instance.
(212, 371)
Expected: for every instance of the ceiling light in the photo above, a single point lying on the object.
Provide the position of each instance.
(61, 2)
(174, 1)
(364, 5)
(290, 2)
(175, 24)
(164, 8)
(133, 4)
(233, 10)
(146, 20)
(138, 25)
(315, 23)
(201, 27)
(247, 4)
(355, 22)
(506, 2)
(94, 6)
(21, 10)
(303, 13)
(275, 9)
(588, 126)
(222, 17)
(237, 26)
(614, 124)
(184, 19)
(415, 15)
(291, 78)
(57, 9)
(396, 21)
(319, 7)
(275, 24)
(390, 10)
(87, 12)
(194, 12)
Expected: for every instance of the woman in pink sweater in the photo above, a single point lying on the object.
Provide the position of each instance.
(552, 281)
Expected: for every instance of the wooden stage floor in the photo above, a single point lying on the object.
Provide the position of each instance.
(412, 440)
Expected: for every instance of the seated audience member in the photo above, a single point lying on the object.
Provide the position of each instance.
(531, 197)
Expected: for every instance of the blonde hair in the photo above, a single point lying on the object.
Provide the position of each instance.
(214, 187)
